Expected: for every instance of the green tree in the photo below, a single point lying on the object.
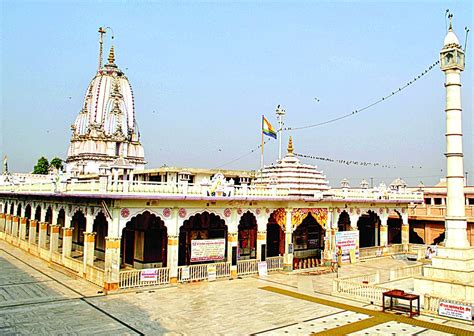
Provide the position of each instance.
(41, 166)
(56, 163)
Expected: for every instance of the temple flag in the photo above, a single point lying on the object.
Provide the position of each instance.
(268, 129)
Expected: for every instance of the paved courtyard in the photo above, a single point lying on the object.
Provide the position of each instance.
(38, 300)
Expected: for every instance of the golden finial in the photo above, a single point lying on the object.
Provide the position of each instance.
(112, 56)
(290, 146)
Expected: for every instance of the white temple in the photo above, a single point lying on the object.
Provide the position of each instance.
(300, 179)
(105, 132)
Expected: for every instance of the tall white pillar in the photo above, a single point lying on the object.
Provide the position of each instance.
(452, 63)
(288, 257)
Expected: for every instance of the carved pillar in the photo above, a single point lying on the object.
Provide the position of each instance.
(89, 246)
(172, 258)
(43, 227)
(32, 232)
(405, 231)
(383, 231)
(8, 224)
(54, 239)
(23, 223)
(15, 226)
(288, 257)
(232, 240)
(2, 222)
(112, 263)
(67, 241)
(261, 241)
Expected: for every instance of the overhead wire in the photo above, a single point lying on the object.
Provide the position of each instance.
(355, 112)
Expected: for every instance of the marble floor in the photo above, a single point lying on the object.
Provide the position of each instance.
(38, 300)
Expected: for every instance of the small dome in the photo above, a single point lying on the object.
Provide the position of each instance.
(451, 38)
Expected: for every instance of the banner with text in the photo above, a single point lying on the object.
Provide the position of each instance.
(207, 250)
(455, 310)
(348, 241)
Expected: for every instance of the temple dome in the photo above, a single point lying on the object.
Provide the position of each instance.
(451, 38)
(108, 104)
(106, 128)
(289, 173)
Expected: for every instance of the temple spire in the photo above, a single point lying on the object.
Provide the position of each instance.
(112, 55)
(290, 147)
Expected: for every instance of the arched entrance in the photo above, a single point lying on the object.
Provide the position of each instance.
(28, 218)
(308, 243)
(78, 223)
(344, 222)
(200, 226)
(18, 210)
(100, 227)
(275, 237)
(61, 221)
(369, 229)
(37, 218)
(247, 236)
(145, 242)
(394, 224)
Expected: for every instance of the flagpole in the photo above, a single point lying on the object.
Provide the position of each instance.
(261, 159)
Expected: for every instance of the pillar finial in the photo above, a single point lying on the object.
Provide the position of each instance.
(450, 17)
(112, 55)
(290, 146)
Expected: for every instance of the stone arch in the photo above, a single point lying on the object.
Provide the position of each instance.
(100, 227)
(145, 241)
(394, 227)
(369, 229)
(5, 207)
(12, 207)
(38, 213)
(344, 221)
(308, 242)
(78, 223)
(18, 209)
(247, 236)
(276, 234)
(200, 226)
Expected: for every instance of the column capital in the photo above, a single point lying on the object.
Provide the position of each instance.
(112, 242)
(55, 228)
(33, 223)
(2, 215)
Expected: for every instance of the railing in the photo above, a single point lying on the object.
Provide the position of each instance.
(431, 303)
(95, 275)
(371, 278)
(75, 265)
(376, 194)
(406, 272)
(247, 267)
(274, 263)
(378, 251)
(358, 291)
(133, 278)
(199, 272)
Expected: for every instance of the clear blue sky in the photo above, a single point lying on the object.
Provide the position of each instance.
(203, 73)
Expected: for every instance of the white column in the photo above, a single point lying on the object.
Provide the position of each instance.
(383, 230)
(54, 238)
(32, 232)
(262, 221)
(43, 227)
(455, 221)
(232, 238)
(172, 227)
(67, 241)
(89, 246)
(405, 230)
(112, 263)
(2, 221)
(288, 257)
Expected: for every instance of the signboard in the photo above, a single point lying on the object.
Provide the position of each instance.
(207, 250)
(348, 240)
(149, 274)
(454, 310)
(262, 268)
(185, 273)
(211, 272)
